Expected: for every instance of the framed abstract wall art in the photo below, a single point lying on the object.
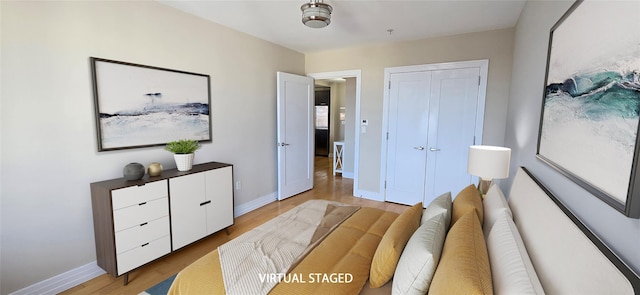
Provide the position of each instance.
(589, 122)
(141, 106)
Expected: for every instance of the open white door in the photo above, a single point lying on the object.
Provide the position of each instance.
(295, 134)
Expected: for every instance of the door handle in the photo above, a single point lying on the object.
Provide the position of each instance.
(283, 144)
(420, 148)
(434, 149)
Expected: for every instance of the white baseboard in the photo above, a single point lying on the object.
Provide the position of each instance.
(63, 281)
(347, 175)
(254, 204)
(370, 195)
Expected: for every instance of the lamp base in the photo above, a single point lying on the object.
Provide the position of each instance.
(483, 186)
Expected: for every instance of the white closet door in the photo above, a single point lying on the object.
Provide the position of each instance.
(434, 114)
(452, 126)
(407, 137)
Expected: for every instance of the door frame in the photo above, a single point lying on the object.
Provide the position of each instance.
(358, 75)
(483, 64)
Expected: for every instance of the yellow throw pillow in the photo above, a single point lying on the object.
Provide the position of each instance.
(390, 248)
(464, 265)
(468, 199)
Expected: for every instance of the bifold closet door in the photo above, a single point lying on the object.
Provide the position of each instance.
(431, 124)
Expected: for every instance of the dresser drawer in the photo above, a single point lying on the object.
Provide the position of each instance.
(140, 213)
(134, 195)
(138, 235)
(143, 254)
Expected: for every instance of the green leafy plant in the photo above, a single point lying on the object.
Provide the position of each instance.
(182, 146)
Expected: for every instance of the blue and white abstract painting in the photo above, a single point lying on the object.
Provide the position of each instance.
(144, 106)
(592, 100)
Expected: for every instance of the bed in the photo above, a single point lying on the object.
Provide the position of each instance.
(468, 244)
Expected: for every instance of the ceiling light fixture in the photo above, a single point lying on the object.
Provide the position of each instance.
(316, 14)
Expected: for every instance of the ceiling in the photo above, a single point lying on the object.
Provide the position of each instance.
(356, 23)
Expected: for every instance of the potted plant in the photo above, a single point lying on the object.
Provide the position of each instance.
(183, 152)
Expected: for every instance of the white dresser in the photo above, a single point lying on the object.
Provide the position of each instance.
(136, 222)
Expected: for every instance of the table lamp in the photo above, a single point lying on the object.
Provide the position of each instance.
(488, 163)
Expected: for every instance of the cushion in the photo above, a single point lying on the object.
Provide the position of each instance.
(464, 266)
(494, 204)
(395, 238)
(420, 257)
(440, 205)
(467, 200)
(512, 270)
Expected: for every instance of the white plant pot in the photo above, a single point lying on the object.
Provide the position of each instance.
(184, 162)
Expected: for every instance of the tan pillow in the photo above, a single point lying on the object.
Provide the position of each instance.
(390, 248)
(464, 266)
(467, 200)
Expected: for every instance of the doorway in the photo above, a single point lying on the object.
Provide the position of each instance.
(344, 118)
(432, 114)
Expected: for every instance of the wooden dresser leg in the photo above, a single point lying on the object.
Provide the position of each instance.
(126, 279)
(226, 230)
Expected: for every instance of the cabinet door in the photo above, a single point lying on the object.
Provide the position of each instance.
(219, 190)
(188, 217)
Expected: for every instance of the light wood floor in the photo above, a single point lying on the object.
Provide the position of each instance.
(326, 187)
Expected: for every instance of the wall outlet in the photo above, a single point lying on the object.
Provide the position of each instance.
(238, 185)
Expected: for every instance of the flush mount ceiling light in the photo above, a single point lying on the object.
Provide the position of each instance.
(316, 14)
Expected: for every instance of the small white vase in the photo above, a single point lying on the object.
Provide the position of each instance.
(184, 162)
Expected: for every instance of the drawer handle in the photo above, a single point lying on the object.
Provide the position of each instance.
(143, 203)
(145, 244)
(204, 203)
(144, 224)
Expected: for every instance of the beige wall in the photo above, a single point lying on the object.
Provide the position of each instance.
(493, 45)
(49, 149)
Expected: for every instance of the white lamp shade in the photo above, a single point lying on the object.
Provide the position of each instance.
(489, 162)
